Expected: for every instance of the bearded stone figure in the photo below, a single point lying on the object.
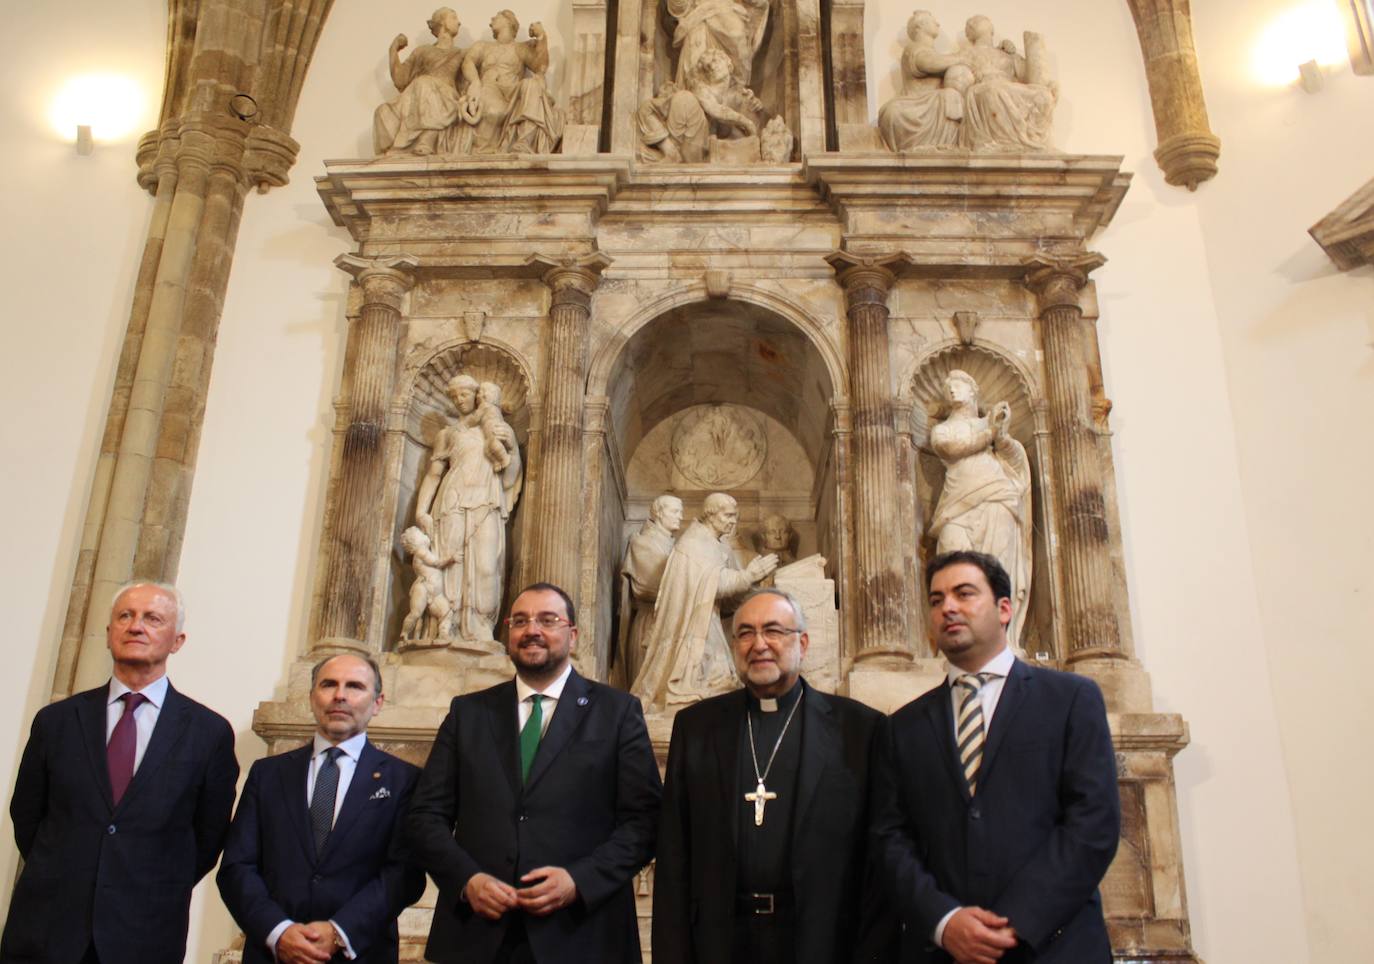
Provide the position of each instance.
(464, 502)
(985, 504)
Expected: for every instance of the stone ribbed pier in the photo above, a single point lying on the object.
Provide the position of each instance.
(881, 623)
(353, 533)
(1090, 618)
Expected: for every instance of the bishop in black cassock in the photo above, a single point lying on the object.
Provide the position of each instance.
(762, 853)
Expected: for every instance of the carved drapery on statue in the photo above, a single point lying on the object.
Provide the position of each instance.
(688, 657)
(465, 500)
(985, 504)
(490, 99)
(645, 559)
(985, 96)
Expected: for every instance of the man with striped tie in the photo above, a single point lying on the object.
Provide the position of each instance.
(997, 811)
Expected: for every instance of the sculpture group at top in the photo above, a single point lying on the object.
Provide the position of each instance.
(708, 111)
(984, 96)
(489, 99)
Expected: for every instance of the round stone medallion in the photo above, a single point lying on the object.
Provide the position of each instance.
(719, 446)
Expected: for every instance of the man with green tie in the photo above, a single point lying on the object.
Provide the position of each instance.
(538, 806)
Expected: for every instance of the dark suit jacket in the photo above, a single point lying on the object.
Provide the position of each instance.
(1035, 841)
(839, 916)
(120, 877)
(271, 873)
(590, 806)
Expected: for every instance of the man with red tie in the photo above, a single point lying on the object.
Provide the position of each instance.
(121, 804)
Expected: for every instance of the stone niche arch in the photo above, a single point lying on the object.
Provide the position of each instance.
(756, 361)
(1001, 377)
(421, 409)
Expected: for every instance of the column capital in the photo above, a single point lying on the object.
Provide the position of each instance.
(1057, 281)
(867, 278)
(572, 280)
(384, 280)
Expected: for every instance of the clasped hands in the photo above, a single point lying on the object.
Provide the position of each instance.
(546, 890)
(977, 936)
(313, 943)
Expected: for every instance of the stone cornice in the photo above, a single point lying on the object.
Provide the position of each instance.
(1347, 233)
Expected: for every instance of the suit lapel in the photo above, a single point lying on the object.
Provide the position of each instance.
(940, 714)
(170, 728)
(360, 789)
(293, 782)
(90, 711)
(1014, 692)
(573, 706)
(725, 743)
(820, 749)
(502, 715)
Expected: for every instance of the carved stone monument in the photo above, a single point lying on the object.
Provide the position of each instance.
(645, 558)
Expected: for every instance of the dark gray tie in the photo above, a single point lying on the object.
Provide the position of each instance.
(326, 791)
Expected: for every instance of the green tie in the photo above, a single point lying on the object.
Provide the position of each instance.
(529, 736)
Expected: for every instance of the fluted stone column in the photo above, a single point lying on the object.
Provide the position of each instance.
(351, 539)
(1091, 622)
(879, 581)
(556, 540)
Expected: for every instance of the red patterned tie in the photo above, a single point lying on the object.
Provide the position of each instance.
(120, 751)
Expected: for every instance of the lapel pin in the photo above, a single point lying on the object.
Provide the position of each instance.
(581, 701)
(376, 776)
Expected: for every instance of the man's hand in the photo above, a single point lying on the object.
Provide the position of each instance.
(977, 936)
(490, 897)
(306, 944)
(555, 889)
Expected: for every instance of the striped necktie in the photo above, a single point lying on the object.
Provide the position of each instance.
(969, 732)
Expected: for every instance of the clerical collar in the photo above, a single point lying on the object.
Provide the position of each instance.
(783, 702)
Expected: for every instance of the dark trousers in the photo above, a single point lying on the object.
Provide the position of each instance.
(764, 938)
(515, 947)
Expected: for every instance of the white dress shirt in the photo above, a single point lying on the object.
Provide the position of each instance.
(991, 692)
(347, 762)
(551, 693)
(145, 717)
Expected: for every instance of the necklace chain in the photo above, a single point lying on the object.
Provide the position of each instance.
(749, 719)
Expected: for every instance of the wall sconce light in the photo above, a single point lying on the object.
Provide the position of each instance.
(97, 107)
(1300, 44)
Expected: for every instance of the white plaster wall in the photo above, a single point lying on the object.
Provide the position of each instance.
(1218, 293)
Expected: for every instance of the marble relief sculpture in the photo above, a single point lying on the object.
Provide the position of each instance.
(429, 105)
(985, 96)
(645, 558)
(688, 657)
(489, 99)
(985, 504)
(708, 112)
(464, 502)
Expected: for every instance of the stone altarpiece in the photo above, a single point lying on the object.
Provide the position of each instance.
(817, 302)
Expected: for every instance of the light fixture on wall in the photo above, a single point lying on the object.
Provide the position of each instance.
(1301, 43)
(97, 107)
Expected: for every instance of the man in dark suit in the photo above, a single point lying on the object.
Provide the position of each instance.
(121, 804)
(537, 807)
(313, 869)
(996, 796)
(762, 843)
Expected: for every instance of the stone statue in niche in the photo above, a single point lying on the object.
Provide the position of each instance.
(464, 501)
(688, 656)
(418, 120)
(925, 113)
(645, 558)
(427, 597)
(984, 96)
(985, 504)
(779, 538)
(708, 112)
(508, 112)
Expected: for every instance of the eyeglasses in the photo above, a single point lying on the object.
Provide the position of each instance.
(771, 634)
(543, 620)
